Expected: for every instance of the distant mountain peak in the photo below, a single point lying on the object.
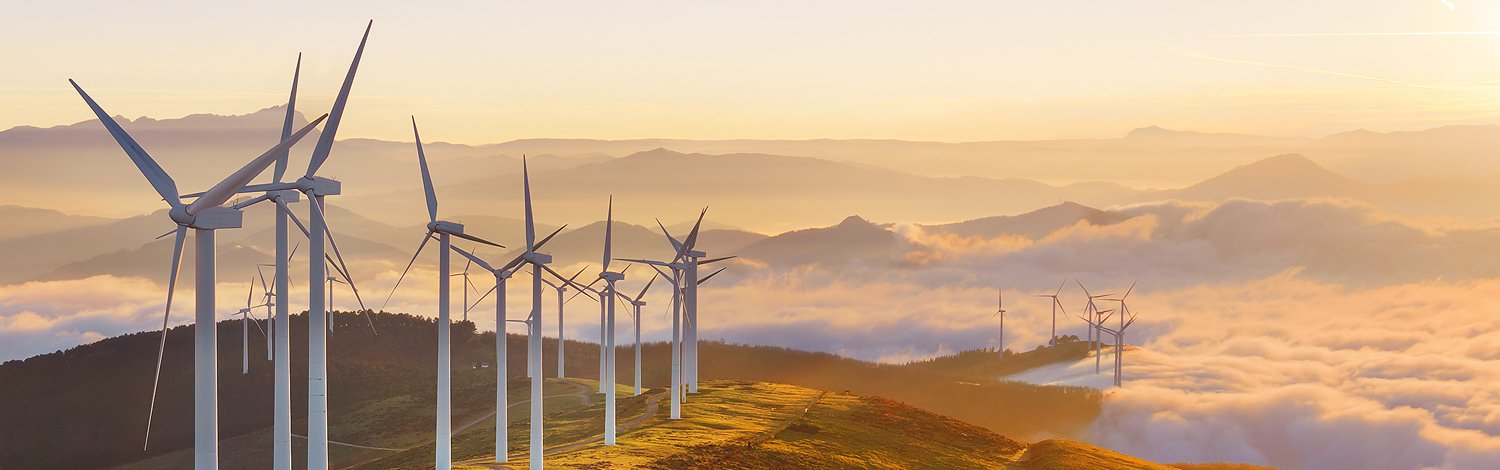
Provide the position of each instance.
(659, 152)
(1289, 162)
(855, 221)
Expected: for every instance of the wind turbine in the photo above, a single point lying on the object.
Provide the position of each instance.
(1000, 312)
(562, 287)
(204, 215)
(1055, 306)
(1093, 311)
(244, 314)
(607, 347)
(678, 265)
(281, 193)
(445, 231)
(502, 381)
(1119, 333)
(467, 285)
(636, 316)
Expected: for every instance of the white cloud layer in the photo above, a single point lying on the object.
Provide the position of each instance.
(1301, 334)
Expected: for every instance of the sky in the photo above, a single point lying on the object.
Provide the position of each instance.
(488, 72)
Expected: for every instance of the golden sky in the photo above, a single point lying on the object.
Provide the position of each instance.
(954, 71)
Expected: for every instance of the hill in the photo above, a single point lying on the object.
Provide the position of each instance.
(18, 221)
(104, 387)
(740, 424)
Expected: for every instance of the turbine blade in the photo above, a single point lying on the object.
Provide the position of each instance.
(580, 271)
(158, 177)
(286, 125)
(1060, 287)
(425, 238)
(232, 184)
(161, 348)
(609, 223)
(676, 245)
(711, 276)
(692, 236)
(432, 203)
(660, 273)
(486, 295)
(642, 261)
(325, 141)
(1080, 286)
(472, 238)
(164, 235)
(472, 258)
(644, 289)
(522, 257)
(1127, 291)
(715, 260)
(526, 192)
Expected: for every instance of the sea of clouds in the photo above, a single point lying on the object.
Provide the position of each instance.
(1298, 333)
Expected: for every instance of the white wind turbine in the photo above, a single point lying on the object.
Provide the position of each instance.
(1056, 304)
(1000, 312)
(467, 285)
(281, 193)
(1092, 311)
(607, 347)
(1119, 333)
(678, 267)
(502, 380)
(244, 314)
(561, 286)
(635, 315)
(204, 215)
(445, 231)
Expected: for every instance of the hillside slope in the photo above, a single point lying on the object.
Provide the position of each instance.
(739, 424)
(103, 389)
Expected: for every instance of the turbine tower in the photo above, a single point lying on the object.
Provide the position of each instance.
(204, 215)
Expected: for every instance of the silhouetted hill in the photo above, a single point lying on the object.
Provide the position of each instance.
(855, 240)
(18, 221)
(1034, 225)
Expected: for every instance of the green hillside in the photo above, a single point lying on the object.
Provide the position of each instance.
(382, 390)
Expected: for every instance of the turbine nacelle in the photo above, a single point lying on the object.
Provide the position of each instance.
(210, 218)
(537, 258)
(284, 195)
(443, 226)
(319, 185)
(696, 254)
(611, 276)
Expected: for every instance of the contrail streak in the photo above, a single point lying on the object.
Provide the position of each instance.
(1360, 34)
(1186, 52)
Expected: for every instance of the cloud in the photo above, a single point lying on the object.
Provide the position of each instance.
(1298, 333)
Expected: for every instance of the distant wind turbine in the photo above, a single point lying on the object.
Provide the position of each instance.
(561, 286)
(204, 215)
(1093, 312)
(1056, 304)
(637, 303)
(678, 267)
(1000, 312)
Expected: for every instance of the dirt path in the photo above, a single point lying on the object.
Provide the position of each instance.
(582, 392)
(653, 403)
(356, 446)
(791, 419)
(653, 406)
